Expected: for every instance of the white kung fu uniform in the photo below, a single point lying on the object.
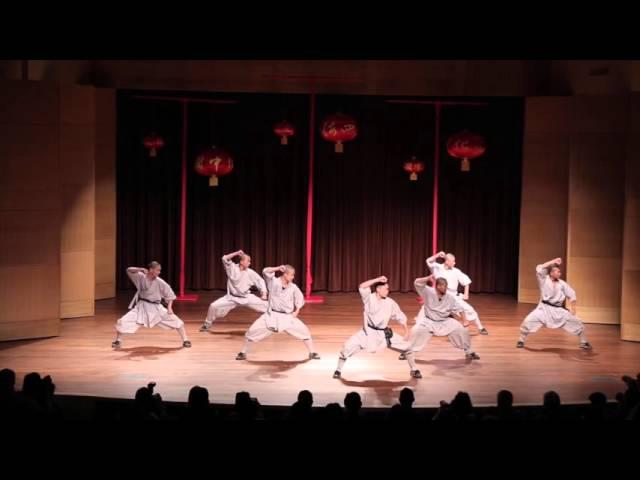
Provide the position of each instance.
(454, 277)
(437, 321)
(283, 301)
(377, 314)
(239, 283)
(145, 309)
(550, 312)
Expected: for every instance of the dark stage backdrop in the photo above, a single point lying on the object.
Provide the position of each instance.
(372, 220)
(369, 218)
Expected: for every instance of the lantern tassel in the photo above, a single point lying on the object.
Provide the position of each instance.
(283, 140)
(466, 165)
(339, 147)
(213, 181)
(413, 177)
(152, 152)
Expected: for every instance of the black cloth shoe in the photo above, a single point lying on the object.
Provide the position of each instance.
(520, 344)
(205, 327)
(241, 356)
(402, 357)
(186, 344)
(484, 331)
(337, 374)
(116, 345)
(416, 374)
(472, 356)
(586, 346)
(314, 356)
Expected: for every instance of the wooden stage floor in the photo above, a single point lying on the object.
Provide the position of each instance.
(82, 362)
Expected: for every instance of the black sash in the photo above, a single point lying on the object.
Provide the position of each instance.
(552, 304)
(388, 333)
(149, 301)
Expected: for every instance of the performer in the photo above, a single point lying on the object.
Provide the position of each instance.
(454, 277)
(241, 280)
(146, 308)
(379, 309)
(551, 311)
(285, 302)
(439, 307)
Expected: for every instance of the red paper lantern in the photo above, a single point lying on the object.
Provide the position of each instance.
(213, 163)
(153, 142)
(414, 167)
(284, 130)
(467, 146)
(339, 128)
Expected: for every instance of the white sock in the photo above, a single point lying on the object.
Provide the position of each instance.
(412, 361)
(309, 344)
(183, 333)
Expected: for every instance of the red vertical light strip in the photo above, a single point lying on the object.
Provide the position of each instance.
(312, 128)
(436, 182)
(183, 198)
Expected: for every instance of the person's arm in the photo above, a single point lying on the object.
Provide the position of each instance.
(461, 317)
(167, 295)
(229, 256)
(431, 261)
(399, 316)
(269, 272)
(259, 282)
(570, 295)
(368, 283)
(465, 281)
(545, 266)
(542, 270)
(421, 283)
(457, 312)
(298, 301)
(134, 270)
(365, 288)
(134, 275)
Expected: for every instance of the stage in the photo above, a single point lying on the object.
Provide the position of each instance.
(82, 362)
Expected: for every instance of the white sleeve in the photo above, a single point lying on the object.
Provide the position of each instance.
(455, 306)
(434, 266)
(569, 292)
(167, 292)
(258, 281)
(298, 298)
(365, 294)
(463, 278)
(398, 315)
(420, 288)
(268, 276)
(541, 274)
(229, 267)
(135, 276)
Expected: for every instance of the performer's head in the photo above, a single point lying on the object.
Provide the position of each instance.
(441, 285)
(554, 271)
(154, 269)
(381, 288)
(244, 261)
(450, 260)
(289, 273)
